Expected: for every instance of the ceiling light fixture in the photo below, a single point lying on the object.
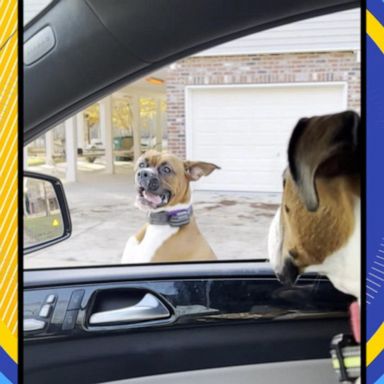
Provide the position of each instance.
(154, 81)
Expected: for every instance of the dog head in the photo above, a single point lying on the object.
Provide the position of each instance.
(162, 179)
(321, 188)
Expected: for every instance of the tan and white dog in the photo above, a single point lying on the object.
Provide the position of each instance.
(163, 191)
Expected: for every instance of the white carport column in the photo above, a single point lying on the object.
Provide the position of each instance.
(80, 125)
(159, 126)
(71, 149)
(49, 147)
(136, 128)
(106, 132)
(25, 157)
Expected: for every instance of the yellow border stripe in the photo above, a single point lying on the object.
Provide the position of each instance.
(8, 177)
(375, 345)
(375, 30)
(9, 339)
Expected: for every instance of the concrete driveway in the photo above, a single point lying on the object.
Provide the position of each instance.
(104, 216)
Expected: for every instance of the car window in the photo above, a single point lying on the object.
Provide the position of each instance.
(33, 8)
(229, 111)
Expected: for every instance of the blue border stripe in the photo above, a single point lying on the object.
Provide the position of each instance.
(4, 380)
(381, 380)
(376, 7)
(7, 367)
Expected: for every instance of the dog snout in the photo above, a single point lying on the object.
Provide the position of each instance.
(148, 179)
(289, 273)
(144, 174)
(153, 184)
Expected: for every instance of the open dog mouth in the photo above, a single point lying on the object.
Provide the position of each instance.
(152, 200)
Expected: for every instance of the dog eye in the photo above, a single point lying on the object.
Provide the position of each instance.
(142, 164)
(286, 208)
(166, 169)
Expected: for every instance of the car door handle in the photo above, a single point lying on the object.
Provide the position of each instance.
(148, 308)
(33, 325)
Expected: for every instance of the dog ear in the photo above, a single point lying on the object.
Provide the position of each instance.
(195, 169)
(323, 146)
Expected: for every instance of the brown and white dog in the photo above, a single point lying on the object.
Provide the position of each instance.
(317, 227)
(163, 190)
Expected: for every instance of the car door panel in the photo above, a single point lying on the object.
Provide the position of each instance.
(215, 321)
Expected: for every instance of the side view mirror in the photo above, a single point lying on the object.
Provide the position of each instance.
(46, 215)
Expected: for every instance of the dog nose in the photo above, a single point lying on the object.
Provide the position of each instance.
(143, 174)
(289, 274)
(148, 179)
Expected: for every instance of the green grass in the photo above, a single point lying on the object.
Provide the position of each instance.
(36, 161)
(39, 229)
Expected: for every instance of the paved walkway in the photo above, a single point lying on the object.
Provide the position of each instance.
(104, 216)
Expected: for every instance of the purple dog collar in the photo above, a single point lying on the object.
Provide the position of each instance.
(176, 218)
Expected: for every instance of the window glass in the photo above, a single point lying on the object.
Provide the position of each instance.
(33, 7)
(234, 106)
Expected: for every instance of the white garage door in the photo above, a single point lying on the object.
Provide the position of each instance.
(245, 130)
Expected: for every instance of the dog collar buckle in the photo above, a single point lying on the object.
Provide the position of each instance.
(176, 218)
(345, 354)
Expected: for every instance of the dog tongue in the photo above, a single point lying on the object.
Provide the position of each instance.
(154, 199)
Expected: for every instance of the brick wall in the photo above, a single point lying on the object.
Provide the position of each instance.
(255, 69)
